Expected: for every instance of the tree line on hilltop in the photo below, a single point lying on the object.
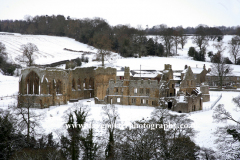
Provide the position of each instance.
(128, 41)
(123, 39)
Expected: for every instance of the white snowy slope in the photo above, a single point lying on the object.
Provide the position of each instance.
(51, 50)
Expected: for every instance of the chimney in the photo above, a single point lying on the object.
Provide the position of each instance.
(204, 67)
(127, 73)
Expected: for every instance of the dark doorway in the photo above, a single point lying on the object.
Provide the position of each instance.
(179, 111)
(194, 108)
(169, 105)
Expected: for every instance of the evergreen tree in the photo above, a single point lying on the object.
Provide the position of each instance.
(89, 147)
(150, 47)
(70, 147)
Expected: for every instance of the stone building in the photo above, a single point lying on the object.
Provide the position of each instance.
(167, 83)
(232, 80)
(132, 92)
(190, 98)
(52, 86)
(199, 74)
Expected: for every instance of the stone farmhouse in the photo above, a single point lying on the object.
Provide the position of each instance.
(53, 86)
(231, 81)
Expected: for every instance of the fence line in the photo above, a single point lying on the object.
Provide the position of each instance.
(11, 96)
(216, 101)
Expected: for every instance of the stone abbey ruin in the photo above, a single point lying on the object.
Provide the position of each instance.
(52, 86)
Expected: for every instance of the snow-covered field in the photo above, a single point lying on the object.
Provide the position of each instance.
(51, 50)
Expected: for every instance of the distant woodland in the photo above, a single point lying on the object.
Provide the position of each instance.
(124, 39)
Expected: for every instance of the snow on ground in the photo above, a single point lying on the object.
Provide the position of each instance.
(203, 121)
(51, 50)
(184, 51)
(54, 122)
(8, 85)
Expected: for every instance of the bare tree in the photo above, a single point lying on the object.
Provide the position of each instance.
(156, 139)
(176, 39)
(103, 44)
(182, 38)
(28, 54)
(110, 119)
(28, 120)
(207, 154)
(220, 69)
(166, 35)
(228, 137)
(234, 48)
(200, 38)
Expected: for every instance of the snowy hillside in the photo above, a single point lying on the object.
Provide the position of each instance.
(51, 49)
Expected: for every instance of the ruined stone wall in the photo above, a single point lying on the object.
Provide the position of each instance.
(205, 93)
(181, 107)
(191, 103)
(101, 82)
(81, 83)
(49, 86)
(188, 83)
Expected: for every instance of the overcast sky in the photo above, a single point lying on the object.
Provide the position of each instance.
(133, 12)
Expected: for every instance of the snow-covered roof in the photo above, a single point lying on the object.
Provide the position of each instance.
(177, 78)
(120, 73)
(146, 74)
(197, 70)
(181, 99)
(177, 74)
(165, 71)
(194, 70)
(184, 71)
(234, 74)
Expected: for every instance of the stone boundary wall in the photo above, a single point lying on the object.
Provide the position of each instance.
(224, 90)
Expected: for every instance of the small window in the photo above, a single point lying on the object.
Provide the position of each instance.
(83, 85)
(135, 90)
(143, 101)
(141, 90)
(118, 100)
(133, 101)
(147, 91)
(146, 101)
(116, 89)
